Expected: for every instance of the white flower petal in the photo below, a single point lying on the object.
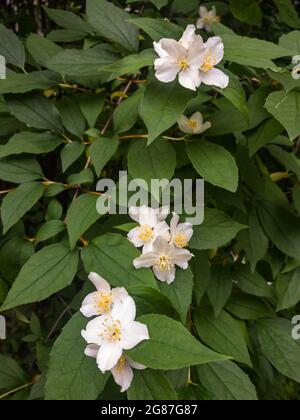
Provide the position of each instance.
(123, 376)
(174, 223)
(136, 365)
(119, 294)
(133, 334)
(203, 128)
(159, 50)
(124, 311)
(92, 331)
(188, 36)
(88, 307)
(173, 48)
(91, 350)
(195, 53)
(189, 78)
(145, 260)
(133, 237)
(167, 72)
(216, 48)
(203, 11)
(165, 276)
(180, 257)
(100, 283)
(200, 23)
(108, 356)
(215, 77)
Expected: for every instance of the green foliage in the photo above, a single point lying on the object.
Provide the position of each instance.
(81, 103)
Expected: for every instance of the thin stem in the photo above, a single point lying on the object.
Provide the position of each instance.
(12, 391)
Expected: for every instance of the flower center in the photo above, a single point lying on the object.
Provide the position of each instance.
(180, 240)
(211, 19)
(183, 64)
(121, 364)
(208, 63)
(146, 233)
(192, 124)
(103, 301)
(164, 263)
(111, 331)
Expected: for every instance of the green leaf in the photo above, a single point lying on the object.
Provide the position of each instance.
(85, 176)
(20, 170)
(216, 231)
(157, 161)
(158, 28)
(81, 215)
(151, 385)
(282, 227)
(21, 83)
(126, 114)
(219, 289)
(70, 153)
(247, 11)
(112, 256)
(253, 283)
(285, 107)
(11, 47)
(179, 292)
(224, 334)
(171, 346)
(291, 41)
(214, 163)
(159, 4)
(131, 64)
(91, 106)
(102, 150)
(41, 49)
(235, 94)
(254, 240)
(18, 202)
(288, 13)
(150, 301)
(11, 374)
(248, 307)
(288, 160)
(251, 51)
(29, 142)
(67, 20)
(35, 111)
(279, 347)
(288, 289)
(13, 255)
(71, 374)
(227, 382)
(162, 105)
(71, 116)
(82, 62)
(265, 133)
(112, 22)
(202, 272)
(49, 230)
(45, 273)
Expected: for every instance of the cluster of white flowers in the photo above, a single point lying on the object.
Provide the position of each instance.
(113, 330)
(163, 245)
(190, 58)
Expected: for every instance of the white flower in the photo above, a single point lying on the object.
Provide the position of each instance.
(193, 125)
(122, 372)
(181, 233)
(163, 259)
(102, 301)
(182, 58)
(207, 18)
(213, 54)
(151, 225)
(115, 332)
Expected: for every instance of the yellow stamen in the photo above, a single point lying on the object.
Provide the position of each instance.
(146, 233)
(121, 364)
(164, 263)
(103, 301)
(183, 64)
(192, 124)
(112, 330)
(208, 64)
(180, 240)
